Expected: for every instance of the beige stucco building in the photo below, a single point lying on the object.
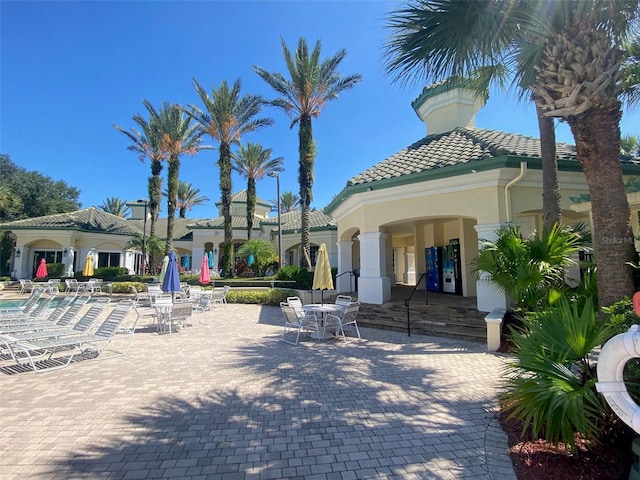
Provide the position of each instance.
(431, 202)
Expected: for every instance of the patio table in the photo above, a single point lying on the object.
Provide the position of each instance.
(321, 309)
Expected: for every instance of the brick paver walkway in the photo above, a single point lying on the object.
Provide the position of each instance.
(232, 401)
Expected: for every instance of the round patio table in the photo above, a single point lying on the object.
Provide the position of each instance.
(321, 309)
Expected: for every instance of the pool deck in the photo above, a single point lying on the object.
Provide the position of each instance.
(231, 401)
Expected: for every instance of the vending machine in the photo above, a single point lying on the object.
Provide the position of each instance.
(433, 257)
(451, 267)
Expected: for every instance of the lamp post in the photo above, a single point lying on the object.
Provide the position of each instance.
(277, 177)
(144, 239)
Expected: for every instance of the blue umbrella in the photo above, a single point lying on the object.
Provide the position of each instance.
(251, 259)
(171, 281)
(186, 261)
(210, 259)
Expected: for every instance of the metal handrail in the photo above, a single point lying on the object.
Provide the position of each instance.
(351, 275)
(408, 300)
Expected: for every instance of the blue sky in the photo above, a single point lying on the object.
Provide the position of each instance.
(70, 70)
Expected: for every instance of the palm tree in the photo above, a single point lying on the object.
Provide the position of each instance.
(188, 197)
(147, 143)
(153, 245)
(179, 137)
(253, 162)
(226, 118)
(630, 145)
(115, 206)
(570, 56)
(289, 202)
(311, 85)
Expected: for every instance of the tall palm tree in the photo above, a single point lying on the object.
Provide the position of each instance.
(253, 162)
(115, 206)
(147, 143)
(188, 197)
(312, 83)
(289, 201)
(226, 117)
(570, 56)
(179, 138)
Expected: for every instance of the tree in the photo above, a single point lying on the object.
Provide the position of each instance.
(630, 145)
(115, 206)
(570, 56)
(154, 247)
(226, 118)
(147, 143)
(36, 194)
(253, 162)
(289, 202)
(179, 138)
(261, 253)
(311, 85)
(188, 197)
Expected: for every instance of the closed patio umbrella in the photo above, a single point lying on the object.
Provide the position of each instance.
(186, 261)
(210, 259)
(205, 277)
(171, 280)
(88, 266)
(322, 279)
(163, 270)
(42, 269)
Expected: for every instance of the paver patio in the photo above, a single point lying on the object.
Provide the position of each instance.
(232, 401)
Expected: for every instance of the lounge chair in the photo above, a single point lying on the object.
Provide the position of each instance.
(24, 308)
(82, 326)
(61, 316)
(26, 286)
(110, 329)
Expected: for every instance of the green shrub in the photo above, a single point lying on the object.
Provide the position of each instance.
(551, 385)
(110, 273)
(125, 287)
(271, 296)
(300, 275)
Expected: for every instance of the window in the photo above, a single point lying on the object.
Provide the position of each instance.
(313, 254)
(106, 259)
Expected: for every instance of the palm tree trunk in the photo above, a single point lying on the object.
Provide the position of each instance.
(551, 207)
(224, 163)
(155, 197)
(172, 194)
(597, 136)
(251, 204)
(305, 177)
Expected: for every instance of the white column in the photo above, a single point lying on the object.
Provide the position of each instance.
(344, 283)
(373, 285)
(68, 262)
(410, 265)
(488, 296)
(18, 262)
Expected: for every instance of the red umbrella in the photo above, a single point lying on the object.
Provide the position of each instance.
(42, 269)
(205, 277)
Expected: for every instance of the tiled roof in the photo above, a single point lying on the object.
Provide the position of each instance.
(459, 146)
(180, 227)
(86, 220)
(237, 222)
(318, 220)
(241, 197)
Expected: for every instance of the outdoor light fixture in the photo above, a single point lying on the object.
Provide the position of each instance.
(65, 253)
(17, 252)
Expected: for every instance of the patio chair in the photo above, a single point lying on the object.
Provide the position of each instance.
(26, 286)
(296, 303)
(141, 299)
(219, 295)
(343, 300)
(295, 323)
(73, 286)
(347, 319)
(181, 316)
(203, 305)
(195, 292)
(100, 342)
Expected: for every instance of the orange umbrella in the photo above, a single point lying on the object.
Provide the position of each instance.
(42, 269)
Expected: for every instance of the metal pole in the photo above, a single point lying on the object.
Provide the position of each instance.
(279, 223)
(144, 241)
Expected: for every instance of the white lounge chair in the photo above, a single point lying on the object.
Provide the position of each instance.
(100, 342)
